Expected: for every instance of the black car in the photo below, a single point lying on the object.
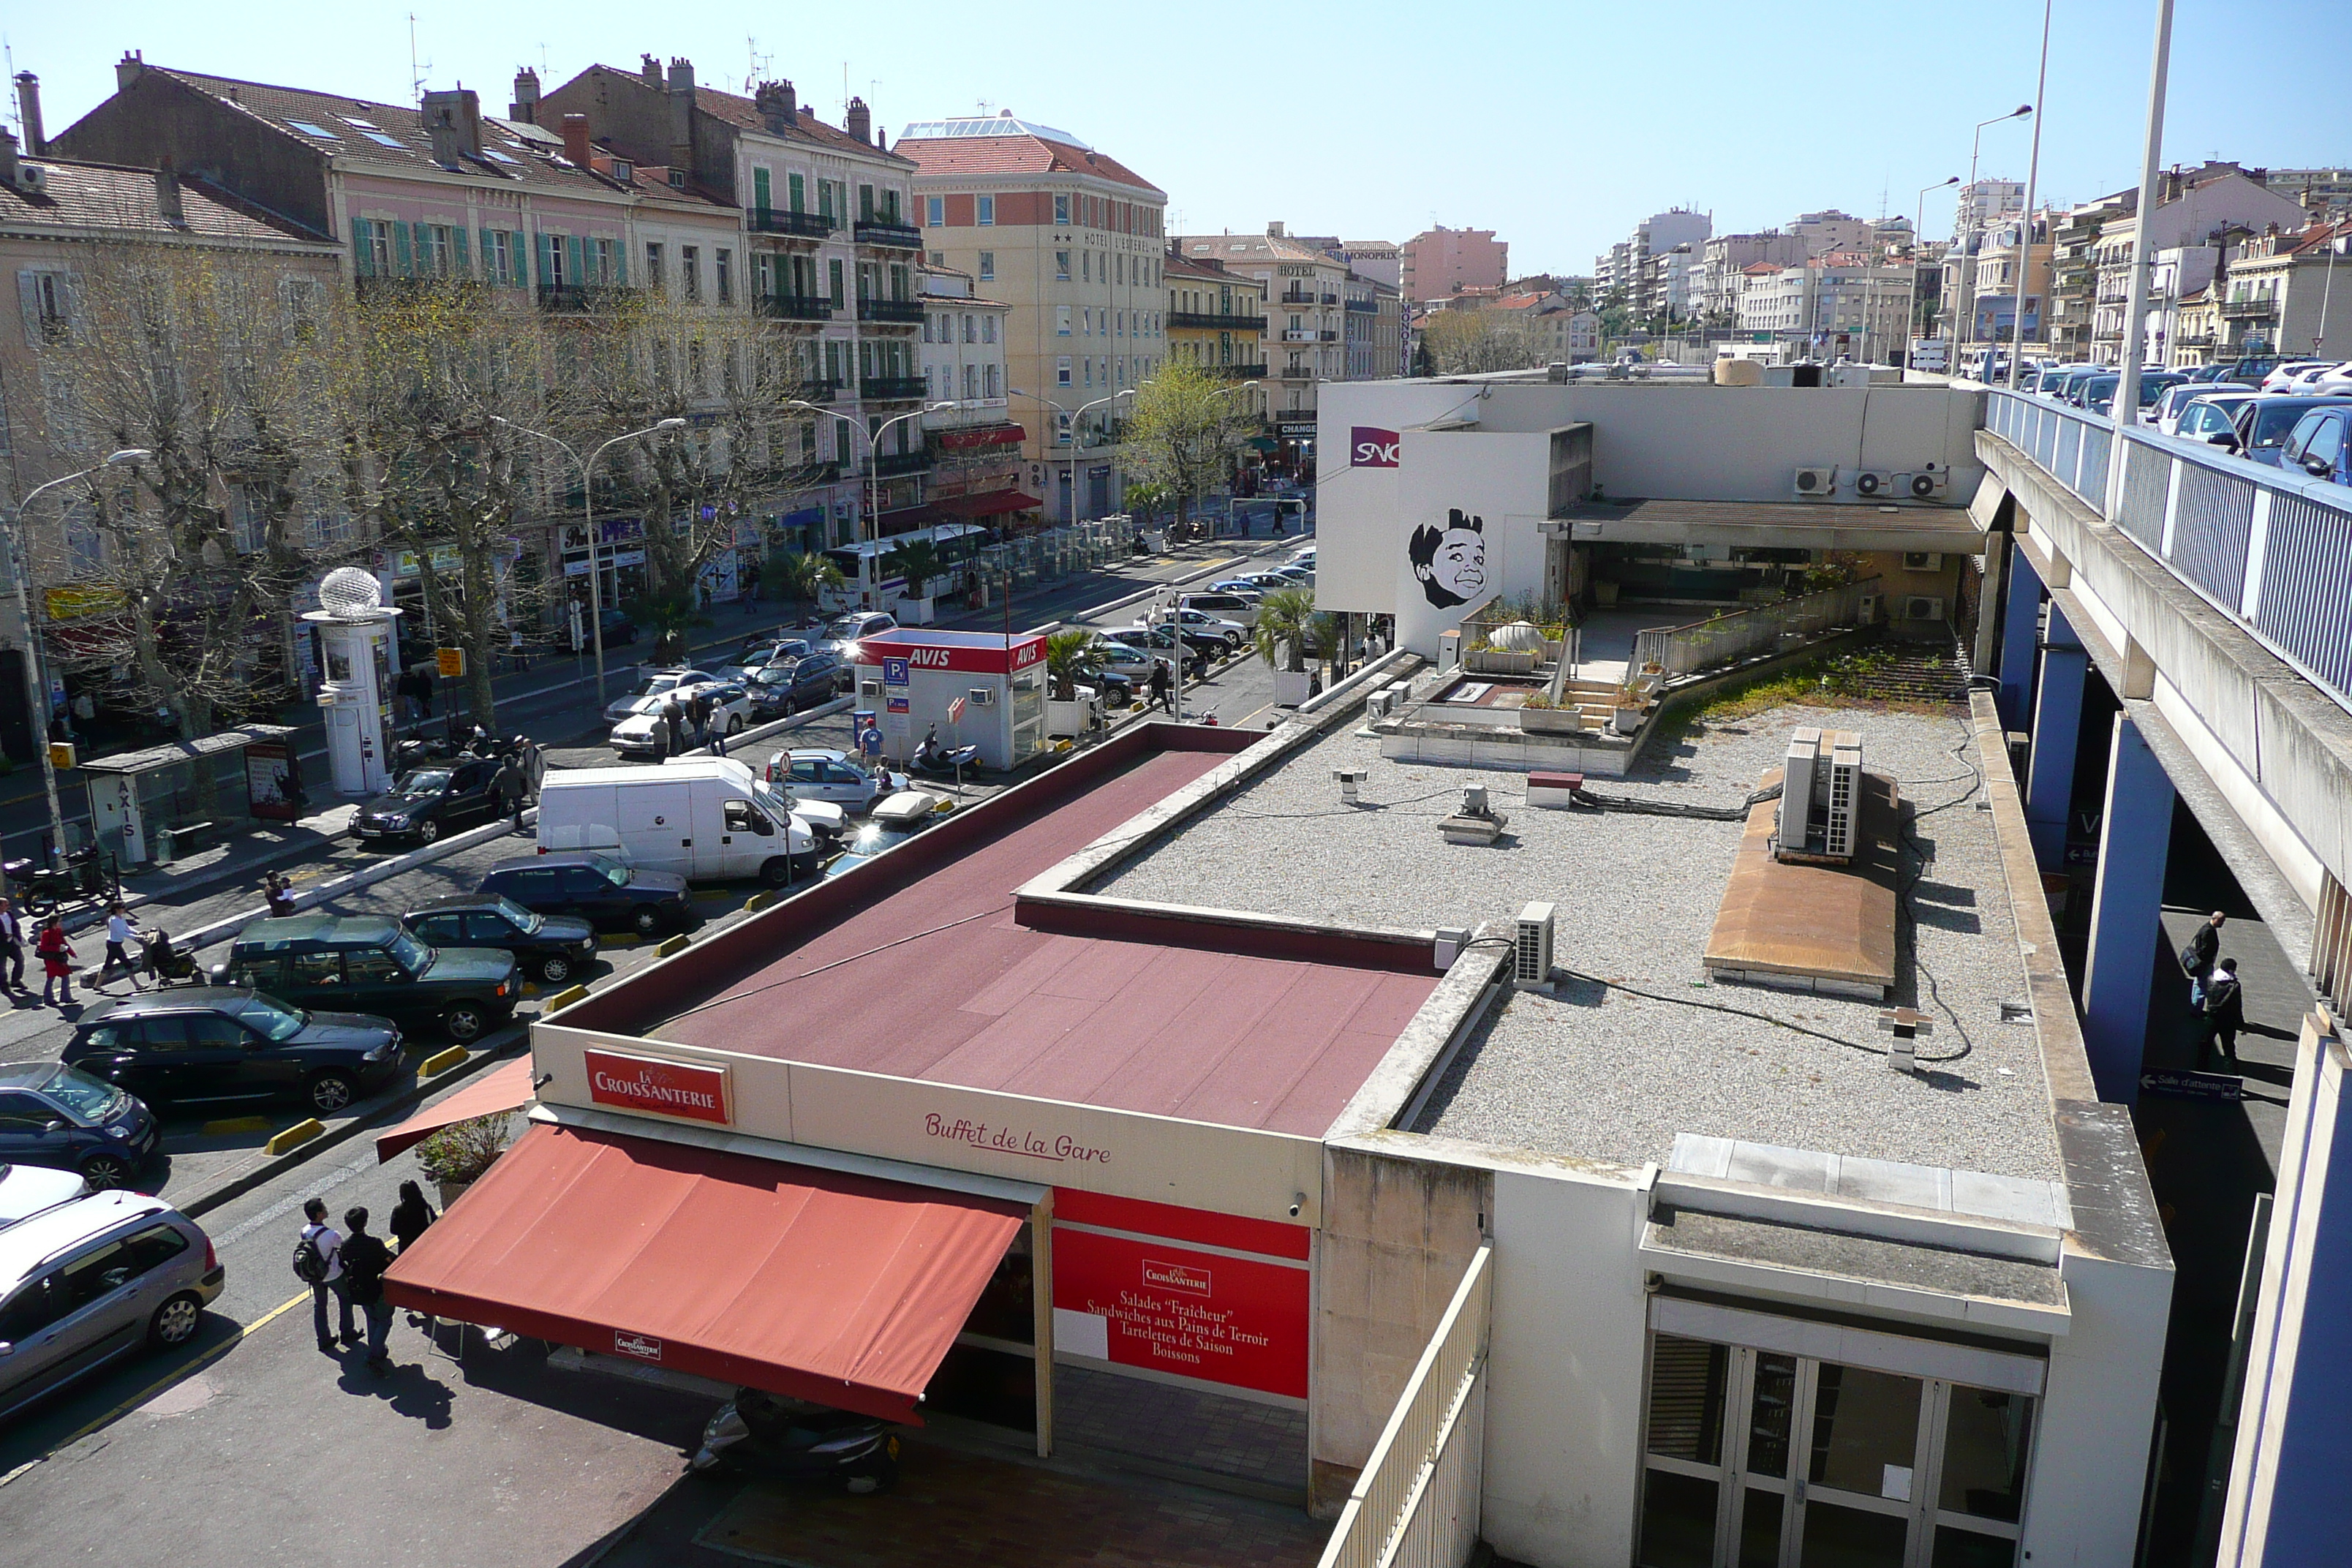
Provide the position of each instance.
(214, 1044)
(608, 894)
(618, 628)
(780, 689)
(374, 964)
(428, 799)
(553, 947)
(51, 1114)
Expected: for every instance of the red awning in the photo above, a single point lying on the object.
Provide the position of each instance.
(986, 436)
(844, 1290)
(988, 504)
(500, 1089)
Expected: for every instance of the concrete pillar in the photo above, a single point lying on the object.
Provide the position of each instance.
(2020, 627)
(2124, 913)
(2057, 716)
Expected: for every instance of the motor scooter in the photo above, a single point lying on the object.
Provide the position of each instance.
(795, 1439)
(945, 762)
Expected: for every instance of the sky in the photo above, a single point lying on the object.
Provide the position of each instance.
(1559, 126)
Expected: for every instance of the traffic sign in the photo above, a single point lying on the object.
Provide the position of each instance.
(898, 704)
(451, 662)
(895, 672)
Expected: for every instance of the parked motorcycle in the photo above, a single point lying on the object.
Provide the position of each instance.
(944, 762)
(793, 1439)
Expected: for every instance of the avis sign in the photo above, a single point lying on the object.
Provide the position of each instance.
(690, 1090)
(1371, 448)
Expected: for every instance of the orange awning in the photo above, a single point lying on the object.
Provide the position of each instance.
(506, 1087)
(819, 1285)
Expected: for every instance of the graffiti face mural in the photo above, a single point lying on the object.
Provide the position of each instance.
(1450, 562)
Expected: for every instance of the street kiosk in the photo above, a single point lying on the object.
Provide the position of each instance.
(980, 689)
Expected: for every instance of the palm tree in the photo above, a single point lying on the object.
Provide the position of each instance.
(1064, 650)
(804, 576)
(671, 617)
(1286, 622)
(916, 560)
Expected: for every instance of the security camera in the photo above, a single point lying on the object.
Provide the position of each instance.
(1297, 1201)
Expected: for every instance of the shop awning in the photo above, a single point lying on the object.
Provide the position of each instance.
(988, 504)
(501, 1088)
(816, 1284)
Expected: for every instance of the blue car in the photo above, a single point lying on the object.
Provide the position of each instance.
(2264, 424)
(2320, 446)
(51, 1114)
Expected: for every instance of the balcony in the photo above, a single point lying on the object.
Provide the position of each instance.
(1242, 371)
(901, 236)
(1327, 337)
(893, 388)
(1366, 306)
(900, 312)
(888, 464)
(1294, 297)
(821, 391)
(1197, 321)
(2260, 309)
(579, 297)
(1298, 373)
(1330, 298)
(1301, 335)
(793, 307)
(793, 225)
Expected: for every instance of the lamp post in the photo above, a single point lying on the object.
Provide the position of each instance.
(588, 504)
(2025, 227)
(1919, 238)
(2126, 405)
(1968, 300)
(873, 452)
(1077, 427)
(36, 702)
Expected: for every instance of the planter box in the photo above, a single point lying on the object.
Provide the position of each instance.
(1078, 716)
(1499, 661)
(451, 1192)
(1551, 721)
(1291, 688)
(1626, 721)
(1604, 594)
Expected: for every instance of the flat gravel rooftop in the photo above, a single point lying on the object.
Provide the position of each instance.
(1598, 1071)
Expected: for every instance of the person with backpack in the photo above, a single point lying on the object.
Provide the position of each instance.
(365, 1258)
(2197, 960)
(319, 1263)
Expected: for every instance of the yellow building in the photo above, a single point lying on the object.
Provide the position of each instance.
(1216, 320)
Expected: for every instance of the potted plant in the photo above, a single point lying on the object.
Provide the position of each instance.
(456, 1156)
(1627, 718)
(1538, 715)
(1285, 635)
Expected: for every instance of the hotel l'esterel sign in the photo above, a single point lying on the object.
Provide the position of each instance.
(693, 1091)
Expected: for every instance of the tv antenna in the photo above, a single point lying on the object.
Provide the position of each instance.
(759, 64)
(415, 70)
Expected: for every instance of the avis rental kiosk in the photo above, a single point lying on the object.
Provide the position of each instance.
(980, 689)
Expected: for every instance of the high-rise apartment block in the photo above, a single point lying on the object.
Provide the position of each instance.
(1441, 262)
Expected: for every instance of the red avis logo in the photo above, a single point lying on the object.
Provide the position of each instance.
(929, 657)
(1372, 448)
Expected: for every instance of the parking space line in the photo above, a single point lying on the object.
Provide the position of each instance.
(177, 1374)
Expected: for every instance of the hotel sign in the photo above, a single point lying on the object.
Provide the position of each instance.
(689, 1090)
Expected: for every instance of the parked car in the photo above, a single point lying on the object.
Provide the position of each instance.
(2095, 392)
(2070, 382)
(2335, 381)
(655, 683)
(2177, 397)
(2281, 375)
(619, 630)
(1241, 588)
(551, 947)
(607, 894)
(1233, 607)
(1112, 656)
(892, 822)
(88, 1282)
(426, 801)
(782, 689)
(51, 1114)
(1233, 634)
(2320, 444)
(645, 733)
(1208, 644)
(763, 652)
(842, 632)
(816, 772)
(2264, 423)
(208, 1045)
(374, 964)
(2213, 413)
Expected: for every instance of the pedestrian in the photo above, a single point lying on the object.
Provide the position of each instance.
(12, 947)
(672, 726)
(295, 796)
(2196, 959)
(117, 949)
(56, 962)
(319, 1263)
(2225, 1015)
(717, 741)
(518, 653)
(364, 1259)
(513, 786)
(1160, 685)
(278, 893)
(424, 684)
(869, 746)
(698, 712)
(412, 1216)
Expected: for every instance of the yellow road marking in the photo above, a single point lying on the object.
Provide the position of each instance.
(230, 1124)
(167, 1380)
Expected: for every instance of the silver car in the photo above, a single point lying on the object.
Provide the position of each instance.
(91, 1281)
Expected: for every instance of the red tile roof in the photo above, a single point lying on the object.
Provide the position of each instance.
(962, 156)
(86, 198)
(743, 113)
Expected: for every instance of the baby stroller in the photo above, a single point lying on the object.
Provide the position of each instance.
(167, 965)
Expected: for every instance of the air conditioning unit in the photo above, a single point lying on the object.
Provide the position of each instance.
(982, 696)
(1532, 952)
(1817, 479)
(1923, 560)
(1920, 607)
(1874, 484)
(1845, 790)
(1794, 823)
(1925, 484)
(32, 178)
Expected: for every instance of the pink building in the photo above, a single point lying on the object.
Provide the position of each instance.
(1440, 260)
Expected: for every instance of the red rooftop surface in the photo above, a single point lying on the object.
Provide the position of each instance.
(935, 979)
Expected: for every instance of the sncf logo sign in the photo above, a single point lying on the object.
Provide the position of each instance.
(1370, 449)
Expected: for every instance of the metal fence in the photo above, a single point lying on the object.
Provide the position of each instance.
(1750, 633)
(1416, 1503)
(2267, 547)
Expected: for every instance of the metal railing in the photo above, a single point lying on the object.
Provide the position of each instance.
(798, 225)
(1386, 1522)
(2267, 547)
(1210, 320)
(1748, 633)
(793, 307)
(904, 312)
(877, 231)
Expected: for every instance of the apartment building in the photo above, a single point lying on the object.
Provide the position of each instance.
(1216, 320)
(2321, 192)
(1071, 240)
(2279, 290)
(1306, 319)
(1833, 230)
(1616, 271)
(1840, 304)
(822, 247)
(1439, 262)
(973, 442)
(1985, 204)
(1560, 332)
(1725, 258)
(2073, 271)
(1992, 313)
(2195, 208)
(1371, 329)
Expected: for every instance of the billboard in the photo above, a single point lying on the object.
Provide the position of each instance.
(1165, 1307)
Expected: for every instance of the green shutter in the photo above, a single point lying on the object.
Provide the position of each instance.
(362, 249)
(403, 258)
(547, 244)
(795, 192)
(489, 257)
(621, 262)
(518, 258)
(464, 264)
(762, 190)
(575, 264)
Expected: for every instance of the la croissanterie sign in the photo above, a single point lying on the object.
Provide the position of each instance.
(690, 1090)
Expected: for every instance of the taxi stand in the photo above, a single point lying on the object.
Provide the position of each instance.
(980, 689)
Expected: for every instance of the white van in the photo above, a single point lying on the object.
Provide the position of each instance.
(706, 818)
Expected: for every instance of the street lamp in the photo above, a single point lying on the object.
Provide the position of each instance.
(36, 702)
(1968, 300)
(588, 505)
(1918, 237)
(1077, 427)
(873, 451)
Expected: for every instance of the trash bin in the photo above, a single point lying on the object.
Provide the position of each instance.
(163, 853)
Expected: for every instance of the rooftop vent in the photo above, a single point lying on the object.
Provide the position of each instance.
(1476, 822)
(1820, 792)
(1531, 949)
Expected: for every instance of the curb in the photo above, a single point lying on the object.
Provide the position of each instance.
(1139, 596)
(270, 1168)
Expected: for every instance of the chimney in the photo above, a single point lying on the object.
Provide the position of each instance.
(1273, 231)
(167, 195)
(681, 117)
(129, 69)
(525, 106)
(7, 156)
(454, 119)
(778, 105)
(650, 69)
(859, 120)
(29, 109)
(575, 140)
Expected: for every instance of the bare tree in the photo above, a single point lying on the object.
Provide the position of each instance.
(1469, 343)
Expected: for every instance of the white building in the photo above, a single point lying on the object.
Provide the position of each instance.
(1619, 269)
(1306, 327)
(974, 447)
(1837, 305)
(1985, 204)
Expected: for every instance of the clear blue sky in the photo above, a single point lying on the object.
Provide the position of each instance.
(1558, 125)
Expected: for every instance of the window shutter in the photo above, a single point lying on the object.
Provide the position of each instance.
(457, 237)
(621, 262)
(362, 248)
(490, 257)
(518, 258)
(575, 268)
(404, 259)
(28, 297)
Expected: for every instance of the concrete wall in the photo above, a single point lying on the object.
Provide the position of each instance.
(1499, 479)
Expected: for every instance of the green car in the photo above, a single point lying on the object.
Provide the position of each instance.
(371, 963)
